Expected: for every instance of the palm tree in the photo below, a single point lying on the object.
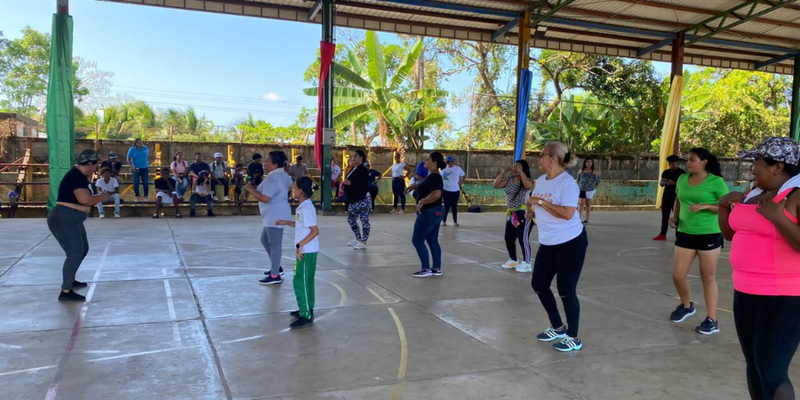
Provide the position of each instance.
(371, 91)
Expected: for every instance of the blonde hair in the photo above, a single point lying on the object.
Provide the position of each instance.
(562, 153)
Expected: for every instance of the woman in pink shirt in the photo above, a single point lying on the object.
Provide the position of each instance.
(765, 256)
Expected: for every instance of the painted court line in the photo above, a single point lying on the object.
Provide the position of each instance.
(52, 391)
(401, 370)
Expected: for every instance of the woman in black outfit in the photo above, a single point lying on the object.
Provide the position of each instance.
(65, 220)
(429, 217)
(356, 185)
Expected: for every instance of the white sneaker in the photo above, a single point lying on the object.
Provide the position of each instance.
(510, 264)
(360, 246)
(136, 200)
(215, 198)
(524, 267)
(227, 198)
(393, 212)
(353, 243)
(102, 216)
(116, 215)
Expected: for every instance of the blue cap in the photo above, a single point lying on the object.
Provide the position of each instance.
(450, 158)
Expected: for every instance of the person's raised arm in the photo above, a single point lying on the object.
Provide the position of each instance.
(726, 204)
(776, 213)
(527, 183)
(501, 181)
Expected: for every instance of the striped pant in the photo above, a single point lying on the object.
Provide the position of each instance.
(520, 233)
(304, 271)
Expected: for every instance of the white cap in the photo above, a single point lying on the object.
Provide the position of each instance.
(217, 155)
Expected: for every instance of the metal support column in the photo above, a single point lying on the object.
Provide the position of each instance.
(523, 62)
(677, 70)
(328, 15)
(63, 7)
(794, 129)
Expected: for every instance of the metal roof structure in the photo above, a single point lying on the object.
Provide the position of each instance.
(742, 34)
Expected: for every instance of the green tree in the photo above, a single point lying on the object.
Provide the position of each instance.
(374, 92)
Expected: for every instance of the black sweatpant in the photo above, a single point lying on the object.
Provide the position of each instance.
(451, 203)
(521, 233)
(566, 261)
(667, 204)
(66, 225)
(373, 192)
(399, 192)
(769, 332)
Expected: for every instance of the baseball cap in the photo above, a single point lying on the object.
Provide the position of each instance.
(111, 154)
(450, 158)
(217, 155)
(781, 149)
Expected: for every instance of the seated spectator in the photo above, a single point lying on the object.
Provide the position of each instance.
(108, 184)
(201, 191)
(219, 175)
(112, 164)
(166, 193)
(255, 172)
(198, 166)
(238, 181)
(180, 173)
(298, 169)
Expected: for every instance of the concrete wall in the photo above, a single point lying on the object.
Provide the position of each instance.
(481, 164)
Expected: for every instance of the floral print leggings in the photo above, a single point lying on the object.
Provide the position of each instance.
(356, 210)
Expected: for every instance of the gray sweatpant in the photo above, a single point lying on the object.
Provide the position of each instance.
(272, 240)
(66, 225)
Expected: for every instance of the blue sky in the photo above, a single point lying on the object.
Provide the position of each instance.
(224, 66)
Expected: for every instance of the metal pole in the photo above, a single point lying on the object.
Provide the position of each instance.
(523, 62)
(794, 128)
(328, 18)
(63, 7)
(677, 70)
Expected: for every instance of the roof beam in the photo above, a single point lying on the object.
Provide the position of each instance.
(649, 49)
(312, 13)
(775, 60)
(505, 29)
(749, 9)
(539, 14)
(454, 7)
(704, 11)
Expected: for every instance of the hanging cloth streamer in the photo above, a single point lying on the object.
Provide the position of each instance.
(671, 123)
(60, 106)
(326, 50)
(522, 103)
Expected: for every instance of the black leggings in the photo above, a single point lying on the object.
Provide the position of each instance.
(566, 261)
(521, 233)
(769, 332)
(451, 203)
(667, 203)
(399, 192)
(66, 225)
(373, 192)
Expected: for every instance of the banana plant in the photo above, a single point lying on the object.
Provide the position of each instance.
(372, 90)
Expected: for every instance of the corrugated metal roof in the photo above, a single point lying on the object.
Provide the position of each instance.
(609, 27)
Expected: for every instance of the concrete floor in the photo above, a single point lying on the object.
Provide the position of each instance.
(176, 312)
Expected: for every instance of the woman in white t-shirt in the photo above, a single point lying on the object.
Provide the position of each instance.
(453, 177)
(399, 184)
(562, 244)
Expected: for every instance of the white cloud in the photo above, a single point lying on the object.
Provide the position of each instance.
(272, 97)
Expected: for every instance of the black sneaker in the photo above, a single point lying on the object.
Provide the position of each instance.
(707, 327)
(296, 314)
(681, 313)
(551, 334)
(280, 271)
(191, 213)
(436, 272)
(211, 214)
(71, 296)
(301, 323)
(269, 280)
(79, 284)
(423, 273)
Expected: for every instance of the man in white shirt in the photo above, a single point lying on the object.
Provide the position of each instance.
(219, 175)
(453, 177)
(108, 184)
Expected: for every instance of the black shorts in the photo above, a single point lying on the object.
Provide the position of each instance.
(699, 242)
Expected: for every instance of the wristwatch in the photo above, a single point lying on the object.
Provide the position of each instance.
(540, 202)
(297, 246)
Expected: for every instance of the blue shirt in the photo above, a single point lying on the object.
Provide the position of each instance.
(139, 157)
(421, 171)
(373, 176)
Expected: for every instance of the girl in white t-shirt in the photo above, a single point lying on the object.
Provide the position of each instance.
(306, 241)
(562, 244)
(399, 169)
